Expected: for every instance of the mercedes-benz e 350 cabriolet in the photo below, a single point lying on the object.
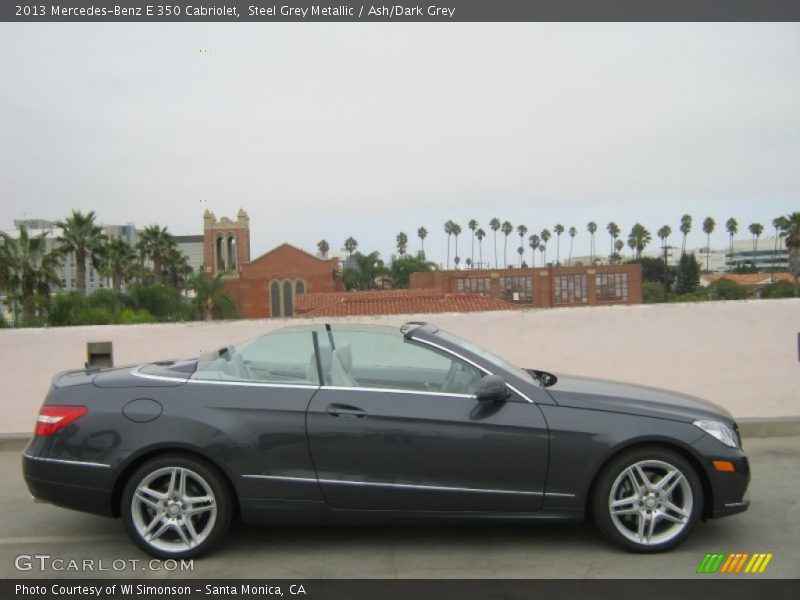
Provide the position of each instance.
(362, 423)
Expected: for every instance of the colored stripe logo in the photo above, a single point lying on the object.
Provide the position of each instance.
(735, 563)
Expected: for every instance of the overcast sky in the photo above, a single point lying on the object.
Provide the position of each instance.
(331, 130)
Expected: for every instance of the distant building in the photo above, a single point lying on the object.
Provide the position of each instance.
(67, 272)
(543, 287)
(268, 285)
(193, 247)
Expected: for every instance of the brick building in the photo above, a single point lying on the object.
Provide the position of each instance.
(266, 286)
(543, 287)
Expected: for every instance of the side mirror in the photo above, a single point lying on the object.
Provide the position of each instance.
(492, 388)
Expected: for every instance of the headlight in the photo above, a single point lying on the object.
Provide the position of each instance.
(722, 432)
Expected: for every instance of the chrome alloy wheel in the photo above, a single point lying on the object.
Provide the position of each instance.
(650, 502)
(173, 509)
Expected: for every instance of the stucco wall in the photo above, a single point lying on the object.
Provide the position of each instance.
(742, 355)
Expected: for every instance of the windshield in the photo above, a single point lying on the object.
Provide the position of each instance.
(485, 355)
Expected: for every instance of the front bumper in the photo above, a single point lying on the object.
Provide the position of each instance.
(728, 489)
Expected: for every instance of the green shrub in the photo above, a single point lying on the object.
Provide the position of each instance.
(129, 316)
(160, 301)
(105, 299)
(91, 315)
(779, 289)
(64, 309)
(726, 289)
(653, 292)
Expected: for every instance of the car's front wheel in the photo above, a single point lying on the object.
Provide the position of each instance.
(176, 506)
(647, 499)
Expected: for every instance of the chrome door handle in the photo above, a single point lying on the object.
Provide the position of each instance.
(344, 410)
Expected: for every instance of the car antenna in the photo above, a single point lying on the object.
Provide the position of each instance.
(330, 335)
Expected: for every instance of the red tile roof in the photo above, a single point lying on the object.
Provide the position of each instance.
(393, 302)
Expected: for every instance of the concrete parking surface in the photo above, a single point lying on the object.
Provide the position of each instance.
(475, 551)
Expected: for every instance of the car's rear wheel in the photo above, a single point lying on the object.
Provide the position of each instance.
(647, 499)
(176, 506)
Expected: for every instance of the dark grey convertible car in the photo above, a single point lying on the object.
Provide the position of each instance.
(360, 423)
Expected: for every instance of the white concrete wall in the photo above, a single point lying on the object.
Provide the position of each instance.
(742, 355)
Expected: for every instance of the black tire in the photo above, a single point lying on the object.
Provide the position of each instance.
(209, 520)
(624, 529)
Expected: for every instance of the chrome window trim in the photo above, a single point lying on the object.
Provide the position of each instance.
(394, 485)
(135, 371)
(395, 391)
(473, 363)
(62, 461)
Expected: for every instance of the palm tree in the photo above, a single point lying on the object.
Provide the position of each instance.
(572, 233)
(402, 243)
(448, 229)
(177, 267)
(520, 251)
(473, 225)
(155, 243)
(457, 261)
(350, 246)
(494, 225)
(521, 231)
(663, 233)
(209, 293)
(632, 246)
(686, 227)
(480, 234)
(456, 233)
(733, 228)
(559, 229)
(80, 235)
(543, 250)
(507, 229)
(422, 233)
(591, 227)
(708, 229)
(613, 231)
(118, 258)
(618, 246)
(778, 223)
(640, 237)
(323, 247)
(533, 242)
(790, 229)
(756, 229)
(545, 238)
(369, 268)
(29, 270)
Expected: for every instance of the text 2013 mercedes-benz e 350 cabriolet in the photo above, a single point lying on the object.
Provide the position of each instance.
(357, 423)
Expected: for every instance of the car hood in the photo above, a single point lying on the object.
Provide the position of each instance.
(614, 396)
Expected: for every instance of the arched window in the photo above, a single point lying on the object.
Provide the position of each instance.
(220, 252)
(232, 252)
(288, 298)
(299, 287)
(275, 299)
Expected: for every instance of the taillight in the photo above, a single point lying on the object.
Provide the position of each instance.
(53, 418)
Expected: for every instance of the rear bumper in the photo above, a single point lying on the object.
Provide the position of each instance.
(83, 485)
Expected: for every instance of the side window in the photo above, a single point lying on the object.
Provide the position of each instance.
(282, 357)
(380, 360)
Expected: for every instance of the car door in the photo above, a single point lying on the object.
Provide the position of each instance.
(397, 427)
